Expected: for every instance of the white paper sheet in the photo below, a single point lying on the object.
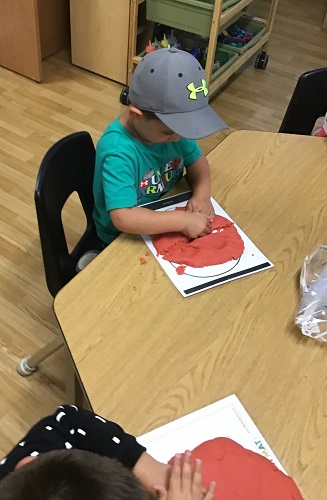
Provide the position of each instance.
(225, 418)
(196, 280)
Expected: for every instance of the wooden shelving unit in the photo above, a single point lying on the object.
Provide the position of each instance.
(133, 58)
(219, 18)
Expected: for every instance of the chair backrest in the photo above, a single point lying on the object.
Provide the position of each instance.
(308, 102)
(67, 167)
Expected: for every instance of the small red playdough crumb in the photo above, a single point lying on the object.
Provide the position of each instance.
(147, 254)
(241, 474)
(180, 269)
(221, 245)
(142, 260)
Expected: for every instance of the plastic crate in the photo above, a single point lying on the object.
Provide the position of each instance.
(247, 23)
(189, 40)
(223, 55)
(231, 57)
(189, 15)
(229, 3)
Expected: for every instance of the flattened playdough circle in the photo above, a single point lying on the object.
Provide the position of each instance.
(241, 474)
(222, 245)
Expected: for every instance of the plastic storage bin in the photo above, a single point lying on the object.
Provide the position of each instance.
(226, 58)
(189, 40)
(247, 23)
(189, 15)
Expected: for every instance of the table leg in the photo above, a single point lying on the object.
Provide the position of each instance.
(324, 26)
(75, 393)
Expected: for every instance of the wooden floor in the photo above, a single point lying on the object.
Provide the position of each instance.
(32, 117)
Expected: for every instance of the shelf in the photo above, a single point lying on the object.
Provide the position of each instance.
(228, 14)
(219, 21)
(218, 82)
(193, 16)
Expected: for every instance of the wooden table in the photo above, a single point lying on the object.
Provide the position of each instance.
(147, 356)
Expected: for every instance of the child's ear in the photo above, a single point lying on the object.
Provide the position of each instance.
(24, 461)
(135, 112)
(160, 491)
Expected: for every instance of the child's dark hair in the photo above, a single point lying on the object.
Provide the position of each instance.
(73, 475)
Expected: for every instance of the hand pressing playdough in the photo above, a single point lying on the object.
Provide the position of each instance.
(185, 484)
(221, 245)
(241, 474)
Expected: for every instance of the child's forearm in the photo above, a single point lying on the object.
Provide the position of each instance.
(139, 220)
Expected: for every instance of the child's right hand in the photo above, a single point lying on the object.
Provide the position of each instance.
(183, 485)
(196, 225)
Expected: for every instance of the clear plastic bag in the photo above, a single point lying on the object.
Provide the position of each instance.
(311, 316)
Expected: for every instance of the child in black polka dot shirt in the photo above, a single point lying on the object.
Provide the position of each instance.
(73, 427)
(65, 456)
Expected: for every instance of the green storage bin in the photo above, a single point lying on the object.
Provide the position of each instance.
(229, 3)
(223, 55)
(226, 61)
(189, 40)
(247, 23)
(189, 15)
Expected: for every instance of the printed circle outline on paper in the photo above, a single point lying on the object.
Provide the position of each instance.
(231, 264)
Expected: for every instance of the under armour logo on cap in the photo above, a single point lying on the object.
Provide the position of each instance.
(194, 90)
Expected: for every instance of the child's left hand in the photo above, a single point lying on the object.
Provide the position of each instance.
(183, 484)
(202, 205)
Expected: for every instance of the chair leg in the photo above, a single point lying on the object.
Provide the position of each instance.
(28, 365)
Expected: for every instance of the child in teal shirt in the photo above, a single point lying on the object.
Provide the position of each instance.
(143, 153)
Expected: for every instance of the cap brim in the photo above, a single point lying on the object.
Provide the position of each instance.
(193, 124)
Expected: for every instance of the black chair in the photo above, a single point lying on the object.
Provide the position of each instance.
(308, 102)
(67, 167)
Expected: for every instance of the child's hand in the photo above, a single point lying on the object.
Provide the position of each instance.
(202, 205)
(183, 485)
(196, 225)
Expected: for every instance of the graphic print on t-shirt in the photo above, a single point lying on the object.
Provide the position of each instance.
(158, 180)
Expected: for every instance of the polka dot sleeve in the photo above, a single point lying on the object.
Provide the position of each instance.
(73, 427)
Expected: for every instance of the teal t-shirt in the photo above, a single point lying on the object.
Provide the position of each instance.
(129, 173)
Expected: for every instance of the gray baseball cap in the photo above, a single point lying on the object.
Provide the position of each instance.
(172, 84)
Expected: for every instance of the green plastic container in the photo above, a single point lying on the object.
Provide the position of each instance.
(226, 58)
(247, 23)
(229, 3)
(189, 40)
(189, 15)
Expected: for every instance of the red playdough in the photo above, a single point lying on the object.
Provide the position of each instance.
(221, 245)
(241, 474)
